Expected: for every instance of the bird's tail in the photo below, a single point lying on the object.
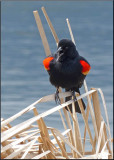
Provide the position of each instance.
(77, 108)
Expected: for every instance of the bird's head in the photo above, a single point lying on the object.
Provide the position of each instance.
(66, 49)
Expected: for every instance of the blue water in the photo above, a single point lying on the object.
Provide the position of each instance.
(23, 78)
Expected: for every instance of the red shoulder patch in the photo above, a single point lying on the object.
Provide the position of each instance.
(85, 67)
(46, 62)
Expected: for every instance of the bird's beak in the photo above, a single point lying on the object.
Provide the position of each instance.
(59, 49)
(59, 54)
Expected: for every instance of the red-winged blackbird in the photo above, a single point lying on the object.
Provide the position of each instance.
(67, 69)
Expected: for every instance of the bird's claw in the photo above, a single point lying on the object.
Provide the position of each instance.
(74, 96)
(57, 99)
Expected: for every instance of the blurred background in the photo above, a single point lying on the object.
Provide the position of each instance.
(23, 77)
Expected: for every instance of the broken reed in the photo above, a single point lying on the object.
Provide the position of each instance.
(35, 140)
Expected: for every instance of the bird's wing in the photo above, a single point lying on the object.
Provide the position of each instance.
(46, 62)
(85, 66)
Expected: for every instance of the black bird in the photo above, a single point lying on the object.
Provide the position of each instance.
(67, 69)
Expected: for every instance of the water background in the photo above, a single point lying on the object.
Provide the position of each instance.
(23, 77)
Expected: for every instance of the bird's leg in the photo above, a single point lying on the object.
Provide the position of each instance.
(74, 96)
(57, 99)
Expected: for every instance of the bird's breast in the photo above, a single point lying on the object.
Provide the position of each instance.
(65, 75)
